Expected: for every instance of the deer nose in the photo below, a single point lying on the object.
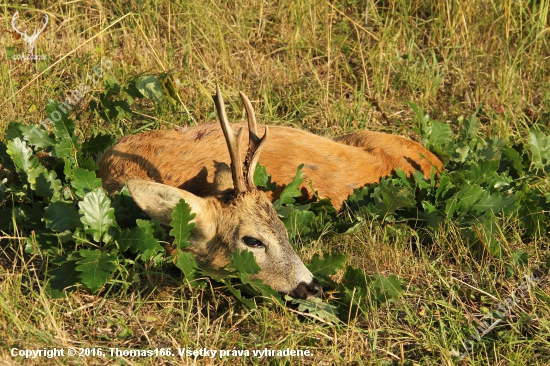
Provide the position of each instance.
(314, 288)
(307, 290)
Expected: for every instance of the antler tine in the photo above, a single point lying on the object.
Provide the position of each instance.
(46, 19)
(233, 140)
(250, 113)
(255, 144)
(13, 19)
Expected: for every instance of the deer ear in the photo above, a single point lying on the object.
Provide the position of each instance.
(223, 180)
(158, 200)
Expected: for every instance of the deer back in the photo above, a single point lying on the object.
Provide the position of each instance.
(189, 159)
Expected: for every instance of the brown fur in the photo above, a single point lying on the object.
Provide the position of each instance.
(221, 223)
(189, 158)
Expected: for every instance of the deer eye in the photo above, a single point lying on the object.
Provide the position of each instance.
(253, 242)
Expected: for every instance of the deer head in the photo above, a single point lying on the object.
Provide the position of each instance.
(239, 216)
(29, 40)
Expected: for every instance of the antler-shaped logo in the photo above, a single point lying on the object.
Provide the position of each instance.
(29, 40)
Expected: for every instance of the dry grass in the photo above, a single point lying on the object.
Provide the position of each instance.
(327, 68)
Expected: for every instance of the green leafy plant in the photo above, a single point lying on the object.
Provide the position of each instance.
(51, 194)
(486, 181)
(91, 238)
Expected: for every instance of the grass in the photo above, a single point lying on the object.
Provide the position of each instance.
(328, 68)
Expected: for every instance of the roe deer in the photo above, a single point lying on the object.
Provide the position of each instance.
(235, 215)
(192, 164)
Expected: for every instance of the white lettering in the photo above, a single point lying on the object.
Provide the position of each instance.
(56, 115)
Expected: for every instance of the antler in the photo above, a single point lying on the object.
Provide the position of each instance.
(233, 140)
(255, 144)
(46, 19)
(13, 19)
(24, 34)
(243, 181)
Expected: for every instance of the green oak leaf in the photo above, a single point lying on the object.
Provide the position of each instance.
(292, 191)
(298, 222)
(540, 148)
(84, 181)
(262, 179)
(59, 116)
(66, 148)
(98, 143)
(244, 261)
(95, 267)
(62, 278)
(21, 155)
(328, 265)
(61, 216)
(45, 184)
(97, 215)
(140, 239)
(181, 224)
(387, 288)
(151, 87)
(391, 198)
(317, 307)
(13, 131)
(187, 263)
(37, 136)
(250, 303)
